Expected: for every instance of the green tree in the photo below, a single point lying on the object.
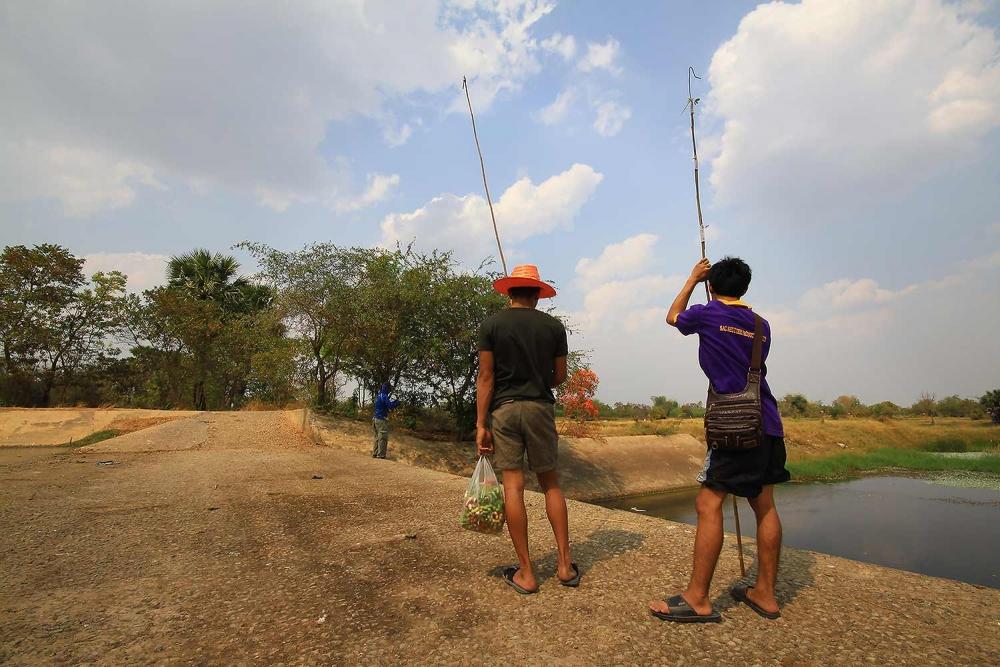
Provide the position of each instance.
(214, 296)
(991, 403)
(850, 406)
(956, 406)
(457, 303)
(54, 323)
(663, 407)
(316, 294)
(886, 409)
(691, 410)
(926, 406)
(794, 405)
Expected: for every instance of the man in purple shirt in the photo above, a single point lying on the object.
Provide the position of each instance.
(725, 328)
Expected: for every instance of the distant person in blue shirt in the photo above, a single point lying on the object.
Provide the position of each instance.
(381, 421)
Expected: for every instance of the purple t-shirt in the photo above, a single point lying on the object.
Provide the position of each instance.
(725, 334)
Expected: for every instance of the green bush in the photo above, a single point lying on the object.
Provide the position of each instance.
(947, 444)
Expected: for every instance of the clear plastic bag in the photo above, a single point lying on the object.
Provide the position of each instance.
(482, 510)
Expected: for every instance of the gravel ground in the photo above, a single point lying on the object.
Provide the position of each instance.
(232, 552)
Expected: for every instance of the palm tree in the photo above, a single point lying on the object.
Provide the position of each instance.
(205, 276)
(209, 277)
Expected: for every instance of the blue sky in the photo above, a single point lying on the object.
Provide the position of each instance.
(849, 154)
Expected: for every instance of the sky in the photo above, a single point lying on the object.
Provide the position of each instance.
(850, 153)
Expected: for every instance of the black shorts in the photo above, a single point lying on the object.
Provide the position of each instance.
(744, 472)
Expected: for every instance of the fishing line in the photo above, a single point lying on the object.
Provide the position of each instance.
(482, 166)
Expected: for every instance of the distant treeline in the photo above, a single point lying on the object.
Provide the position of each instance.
(312, 325)
(324, 325)
(797, 405)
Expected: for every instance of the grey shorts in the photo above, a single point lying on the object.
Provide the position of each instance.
(521, 427)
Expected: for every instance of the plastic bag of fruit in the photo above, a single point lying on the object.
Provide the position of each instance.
(482, 510)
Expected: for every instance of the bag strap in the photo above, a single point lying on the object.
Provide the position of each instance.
(758, 344)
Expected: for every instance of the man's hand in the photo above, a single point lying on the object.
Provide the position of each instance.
(700, 271)
(484, 441)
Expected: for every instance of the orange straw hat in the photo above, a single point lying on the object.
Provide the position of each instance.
(525, 275)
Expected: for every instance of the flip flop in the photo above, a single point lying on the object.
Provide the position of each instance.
(575, 581)
(681, 612)
(740, 593)
(508, 576)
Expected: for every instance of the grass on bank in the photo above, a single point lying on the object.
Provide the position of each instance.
(849, 464)
(93, 438)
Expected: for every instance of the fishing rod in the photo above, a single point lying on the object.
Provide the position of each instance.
(482, 166)
(692, 101)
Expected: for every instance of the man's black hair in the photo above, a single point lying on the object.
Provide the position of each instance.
(524, 292)
(730, 276)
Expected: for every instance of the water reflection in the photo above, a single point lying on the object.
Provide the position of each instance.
(899, 522)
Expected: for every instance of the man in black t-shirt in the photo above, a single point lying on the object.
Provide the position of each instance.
(522, 356)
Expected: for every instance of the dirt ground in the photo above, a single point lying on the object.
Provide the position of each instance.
(232, 539)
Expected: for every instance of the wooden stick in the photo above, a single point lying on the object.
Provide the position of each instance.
(482, 166)
(739, 538)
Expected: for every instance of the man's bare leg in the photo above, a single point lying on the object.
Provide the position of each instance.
(768, 550)
(517, 526)
(555, 509)
(707, 546)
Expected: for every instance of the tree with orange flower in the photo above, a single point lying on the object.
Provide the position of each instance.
(576, 396)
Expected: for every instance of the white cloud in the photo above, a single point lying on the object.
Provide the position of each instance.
(524, 210)
(144, 270)
(823, 106)
(396, 136)
(379, 187)
(564, 45)
(84, 181)
(139, 93)
(627, 303)
(611, 117)
(601, 56)
(617, 260)
(846, 293)
(984, 263)
(556, 111)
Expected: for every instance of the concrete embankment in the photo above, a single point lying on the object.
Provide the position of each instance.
(589, 469)
(244, 543)
(55, 426)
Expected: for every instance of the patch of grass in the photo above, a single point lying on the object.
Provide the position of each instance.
(659, 427)
(965, 443)
(852, 464)
(95, 437)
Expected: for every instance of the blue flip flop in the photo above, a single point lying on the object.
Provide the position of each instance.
(681, 612)
(740, 593)
(508, 577)
(575, 581)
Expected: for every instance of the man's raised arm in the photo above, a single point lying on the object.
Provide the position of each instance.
(698, 274)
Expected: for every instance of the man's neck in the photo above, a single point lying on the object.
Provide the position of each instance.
(521, 304)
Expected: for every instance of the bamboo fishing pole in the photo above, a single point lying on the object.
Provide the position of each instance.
(692, 101)
(482, 166)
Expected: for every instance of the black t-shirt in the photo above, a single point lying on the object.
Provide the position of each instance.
(525, 344)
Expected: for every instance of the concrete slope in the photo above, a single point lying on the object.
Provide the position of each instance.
(589, 469)
(628, 465)
(212, 430)
(52, 426)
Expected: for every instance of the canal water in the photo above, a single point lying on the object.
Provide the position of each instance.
(910, 524)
